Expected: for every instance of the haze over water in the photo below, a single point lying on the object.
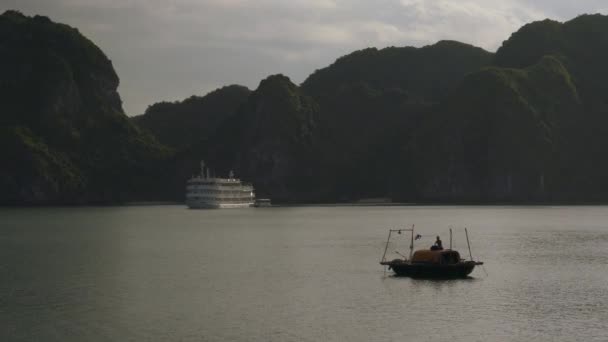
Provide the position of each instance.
(165, 273)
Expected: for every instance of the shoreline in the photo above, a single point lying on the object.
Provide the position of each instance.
(148, 203)
(328, 205)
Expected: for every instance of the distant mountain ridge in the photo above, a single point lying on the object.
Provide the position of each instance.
(448, 122)
(424, 72)
(359, 112)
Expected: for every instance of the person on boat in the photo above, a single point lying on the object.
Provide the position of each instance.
(438, 245)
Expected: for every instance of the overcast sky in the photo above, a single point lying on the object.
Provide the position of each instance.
(171, 49)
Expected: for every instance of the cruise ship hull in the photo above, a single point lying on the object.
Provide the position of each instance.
(204, 192)
(200, 205)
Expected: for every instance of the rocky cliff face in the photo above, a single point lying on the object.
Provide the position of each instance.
(503, 135)
(185, 123)
(581, 45)
(427, 73)
(62, 121)
(371, 101)
(447, 122)
(272, 141)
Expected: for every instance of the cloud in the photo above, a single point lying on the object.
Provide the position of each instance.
(480, 22)
(166, 50)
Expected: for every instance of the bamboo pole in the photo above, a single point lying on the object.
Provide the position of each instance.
(468, 244)
(386, 247)
(450, 238)
(412, 244)
(389, 239)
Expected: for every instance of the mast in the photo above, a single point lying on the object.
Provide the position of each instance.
(398, 231)
(450, 238)
(468, 243)
(412, 244)
(385, 248)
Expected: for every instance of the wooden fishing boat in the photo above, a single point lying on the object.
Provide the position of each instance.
(434, 262)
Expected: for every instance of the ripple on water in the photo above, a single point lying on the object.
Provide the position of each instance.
(297, 274)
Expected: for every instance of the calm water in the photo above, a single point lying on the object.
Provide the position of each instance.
(165, 273)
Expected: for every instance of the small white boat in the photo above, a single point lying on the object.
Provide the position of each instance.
(262, 203)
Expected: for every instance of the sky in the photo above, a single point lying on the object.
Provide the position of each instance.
(167, 50)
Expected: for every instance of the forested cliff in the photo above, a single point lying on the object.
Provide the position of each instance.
(448, 122)
(63, 135)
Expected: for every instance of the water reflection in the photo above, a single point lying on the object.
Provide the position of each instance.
(166, 273)
(61, 272)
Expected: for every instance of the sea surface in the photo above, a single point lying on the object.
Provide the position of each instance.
(166, 273)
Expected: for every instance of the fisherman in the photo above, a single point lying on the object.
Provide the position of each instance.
(438, 245)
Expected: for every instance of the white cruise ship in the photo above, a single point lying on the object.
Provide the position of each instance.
(204, 191)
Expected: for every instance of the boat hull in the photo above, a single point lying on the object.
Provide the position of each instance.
(458, 270)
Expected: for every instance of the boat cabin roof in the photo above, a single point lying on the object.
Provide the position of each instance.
(428, 256)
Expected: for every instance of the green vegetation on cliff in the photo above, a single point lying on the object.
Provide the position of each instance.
(446, 122)
(502, 135)
(425, 73)
(372, 100)
(62, 123)
(273, 140)
(182, 124)
(582, 46)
